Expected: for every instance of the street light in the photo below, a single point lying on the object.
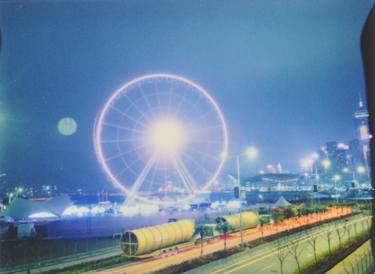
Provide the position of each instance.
(361, 169)
(307, 164)
(251, 153)
(326, 163)
(335, 179)
(19, 189)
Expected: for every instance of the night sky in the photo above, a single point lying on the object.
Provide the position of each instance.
(287, 75)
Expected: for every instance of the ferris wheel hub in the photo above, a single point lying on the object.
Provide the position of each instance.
(167, 136)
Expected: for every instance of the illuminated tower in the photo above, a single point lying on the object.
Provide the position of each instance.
(361, 122)
(362, 128)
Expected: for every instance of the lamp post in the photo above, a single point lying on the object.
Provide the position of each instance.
(239, 196)
(251, 153)
(326, 163)
(335, 179)
(315, 158)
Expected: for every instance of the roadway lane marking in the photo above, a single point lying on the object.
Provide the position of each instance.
(271, 265)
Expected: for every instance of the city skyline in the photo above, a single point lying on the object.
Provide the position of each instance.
(285, 105)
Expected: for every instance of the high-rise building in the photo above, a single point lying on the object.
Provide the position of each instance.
(336, 154)
(361, 122)
(362, 130)
(356, 154)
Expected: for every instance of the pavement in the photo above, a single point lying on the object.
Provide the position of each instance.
(158, 263)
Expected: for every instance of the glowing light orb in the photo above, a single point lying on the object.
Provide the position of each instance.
(361, 169)
(67, 126)
(42, 215)
(252, 153)
(326, 163)
(167, 136)
(160, 138)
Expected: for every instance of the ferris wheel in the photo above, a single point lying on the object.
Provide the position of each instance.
(161, 138)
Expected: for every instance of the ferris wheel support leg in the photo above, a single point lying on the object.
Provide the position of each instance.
(142, 176)
(183, 177)
(188, 175)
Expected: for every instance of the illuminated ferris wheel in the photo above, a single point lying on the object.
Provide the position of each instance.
(161, 139)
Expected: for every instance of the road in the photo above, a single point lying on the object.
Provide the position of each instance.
(154, 264)
(265, 258)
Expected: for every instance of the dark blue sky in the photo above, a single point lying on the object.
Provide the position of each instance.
(286, 74)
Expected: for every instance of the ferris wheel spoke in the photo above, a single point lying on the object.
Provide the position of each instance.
(125, 153)
(185, 181)
(188, 175)
(127, 167)
(193, 107)
(137, 121)
(170, 98)
(202, 116)
(157, 94)
(119, 141)
(142, 176)
(145, 98)
(154, 171)
(133, 104)
(178, 108)
(122, 127)
(196, 163)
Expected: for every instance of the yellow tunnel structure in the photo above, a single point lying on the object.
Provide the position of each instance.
(145, 240)
(249, 220)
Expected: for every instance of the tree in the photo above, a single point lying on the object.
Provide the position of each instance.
(290, 212)
(369, 258)
(295, 251)
(282, 252)
(203, 230)
(223, 227)
(355, 228)
(363, 222)
(312, 241)
(261, 227)
(340, 233)
(347, 229)
(277, 216)
(329, 235)
(368, 222)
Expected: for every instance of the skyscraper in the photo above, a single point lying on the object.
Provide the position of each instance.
(361, 122)
(362, 131)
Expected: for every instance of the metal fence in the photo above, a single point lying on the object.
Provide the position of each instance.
(31, 251)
